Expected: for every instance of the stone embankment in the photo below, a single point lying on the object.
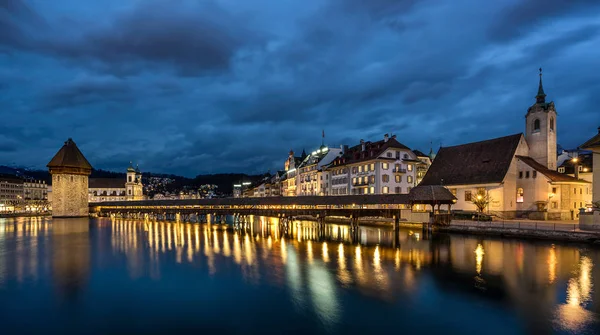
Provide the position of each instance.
(540, 234)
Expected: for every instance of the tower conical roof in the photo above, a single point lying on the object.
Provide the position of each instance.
(69, 156)
(541, 96)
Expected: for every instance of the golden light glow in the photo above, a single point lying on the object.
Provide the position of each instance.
(325, 253)
(479, 252)
(552, 265)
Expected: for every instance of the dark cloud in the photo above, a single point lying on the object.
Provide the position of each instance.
(202, 87)
(85, 92)
(525, 16)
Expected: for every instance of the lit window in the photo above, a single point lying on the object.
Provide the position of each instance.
(409, 167)
(372, 190)
(520, 195)
(385, 166)
(409, 179)
(385, 190)
(398, 178)
(561, 169)
(580, 168)
(372, 166)
(385, 178)
(467, 195)
(453, 191)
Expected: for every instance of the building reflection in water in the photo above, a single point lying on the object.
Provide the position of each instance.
(540, 280)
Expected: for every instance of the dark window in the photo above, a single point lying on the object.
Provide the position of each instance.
(526, 174)
(520, 174)
(536, 125)
(467, 195)
(534, 174)
(551, 123)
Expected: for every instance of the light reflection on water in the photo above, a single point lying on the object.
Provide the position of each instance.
(333, 280)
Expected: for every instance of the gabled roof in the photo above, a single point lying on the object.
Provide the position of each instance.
(550, 174)
(420, 153)
(593, 142)
(484, 162)
(372, 151)
(69, 156)
(433, 194)
(585, 159)
(106, 183)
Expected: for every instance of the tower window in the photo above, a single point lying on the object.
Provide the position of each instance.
(552, 123)
(536, 125)
(129, 179)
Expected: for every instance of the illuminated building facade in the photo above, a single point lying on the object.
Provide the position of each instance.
(517, 173)
(383, 167)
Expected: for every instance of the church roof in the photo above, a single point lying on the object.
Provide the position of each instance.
(593, 142)
(484, 162)
(554, 176)
(69, 156)
(106, 183)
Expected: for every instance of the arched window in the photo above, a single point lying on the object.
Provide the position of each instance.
(536, 125)
(552, 123)
(129, 192)
(520, 195)
(129, 177)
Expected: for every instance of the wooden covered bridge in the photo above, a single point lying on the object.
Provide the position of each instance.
(397, 206)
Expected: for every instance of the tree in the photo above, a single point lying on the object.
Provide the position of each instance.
(481, 202)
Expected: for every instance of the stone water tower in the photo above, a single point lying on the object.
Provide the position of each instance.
(70, 171)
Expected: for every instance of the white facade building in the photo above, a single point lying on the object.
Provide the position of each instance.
(383, 167)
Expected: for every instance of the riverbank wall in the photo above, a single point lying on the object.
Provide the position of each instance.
(23, 215)
(558, 236)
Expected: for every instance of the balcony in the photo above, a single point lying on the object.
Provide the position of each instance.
(399, 170)
(360, 183)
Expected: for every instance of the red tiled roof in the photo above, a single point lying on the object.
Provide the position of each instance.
(550, 174)
(372, 151)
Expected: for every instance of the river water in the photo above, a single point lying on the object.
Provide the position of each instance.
(101, 276)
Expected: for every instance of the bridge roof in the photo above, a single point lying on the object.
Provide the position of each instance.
(275, 201)
(419, 194)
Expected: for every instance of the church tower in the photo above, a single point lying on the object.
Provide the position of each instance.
(540, 129)
(133, 185)
(70, 171)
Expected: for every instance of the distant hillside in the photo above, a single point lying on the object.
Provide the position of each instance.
(224, 181)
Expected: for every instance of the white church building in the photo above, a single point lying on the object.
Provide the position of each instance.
(517, 172)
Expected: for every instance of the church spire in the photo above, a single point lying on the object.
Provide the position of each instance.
(541, 96)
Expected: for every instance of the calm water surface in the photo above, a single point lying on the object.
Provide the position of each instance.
(105, 276)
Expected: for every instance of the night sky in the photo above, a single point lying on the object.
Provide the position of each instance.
(190, 87)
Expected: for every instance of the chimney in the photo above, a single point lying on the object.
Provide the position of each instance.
(394, 136)
(362, 143)
(386, 137)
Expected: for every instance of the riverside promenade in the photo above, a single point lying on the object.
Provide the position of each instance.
(530, 229)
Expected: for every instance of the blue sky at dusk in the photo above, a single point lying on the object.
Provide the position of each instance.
(191, 87)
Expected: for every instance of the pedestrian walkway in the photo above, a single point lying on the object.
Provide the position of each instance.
(570, 225)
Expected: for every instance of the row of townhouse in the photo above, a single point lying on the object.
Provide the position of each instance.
(381, 167)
